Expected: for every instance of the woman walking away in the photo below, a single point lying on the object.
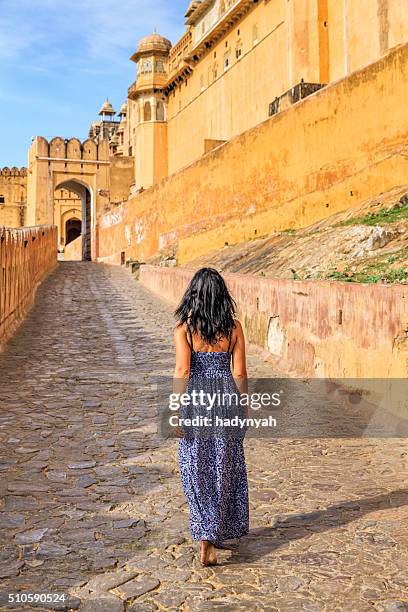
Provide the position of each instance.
(212, 467)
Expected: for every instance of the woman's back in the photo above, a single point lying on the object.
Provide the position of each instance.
(199, 345)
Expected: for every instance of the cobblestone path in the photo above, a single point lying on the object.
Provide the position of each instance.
(91, 501)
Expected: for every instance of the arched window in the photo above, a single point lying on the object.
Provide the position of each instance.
(147, 112)
(160, 111)
(146, 66)
(227, 59)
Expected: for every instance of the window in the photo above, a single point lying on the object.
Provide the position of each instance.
(130, 151)
(146, 66)
(2, 199)
(147, 112)
(215, 71)
(227, 59)
(160, 66)
(160, 111)
(255, 34)
(238, 50)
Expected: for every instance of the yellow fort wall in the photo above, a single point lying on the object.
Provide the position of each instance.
(270, 47)
(13, 196)
(326, 153)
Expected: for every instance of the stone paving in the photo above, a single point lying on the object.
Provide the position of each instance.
(91, 501)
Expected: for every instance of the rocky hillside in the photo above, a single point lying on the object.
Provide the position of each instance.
(368, 244)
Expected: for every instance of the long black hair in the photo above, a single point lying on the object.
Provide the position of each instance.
(207, 306)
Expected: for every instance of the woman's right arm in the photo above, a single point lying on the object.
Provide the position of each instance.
(182, 367)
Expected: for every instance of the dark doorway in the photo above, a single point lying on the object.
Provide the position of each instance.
(73, 228)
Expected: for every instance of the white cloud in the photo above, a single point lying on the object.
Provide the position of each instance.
(15, 40)
(89, 29)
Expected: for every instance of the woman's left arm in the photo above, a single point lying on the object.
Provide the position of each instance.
(182, 367)
(183, 357)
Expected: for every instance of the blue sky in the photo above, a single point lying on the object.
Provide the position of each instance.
(60, 59)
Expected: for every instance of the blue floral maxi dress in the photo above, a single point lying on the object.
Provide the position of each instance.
(212, 467)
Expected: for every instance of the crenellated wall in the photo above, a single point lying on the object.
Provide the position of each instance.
(26, 256)
(13, 196)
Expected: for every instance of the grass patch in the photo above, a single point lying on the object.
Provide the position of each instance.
(371, 274)
(382, 216)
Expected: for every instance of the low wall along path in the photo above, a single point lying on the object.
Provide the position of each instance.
(26, 256)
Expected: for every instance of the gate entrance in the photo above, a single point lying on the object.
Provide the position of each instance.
(69, 180)
(85, 224)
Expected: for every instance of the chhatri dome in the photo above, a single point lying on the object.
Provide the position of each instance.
(152, 43)
(107, 108)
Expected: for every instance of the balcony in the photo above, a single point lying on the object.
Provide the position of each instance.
(177, 53)
(146, 82)
(132, 91)
(234, 13)
(293, 95)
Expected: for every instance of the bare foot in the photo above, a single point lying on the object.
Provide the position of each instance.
(208, 555)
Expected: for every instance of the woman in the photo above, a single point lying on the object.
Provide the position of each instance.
(213, 472)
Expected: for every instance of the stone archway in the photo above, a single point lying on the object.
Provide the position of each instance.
(82, 169)
(84, 192)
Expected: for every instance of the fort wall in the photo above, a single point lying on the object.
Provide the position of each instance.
(13, 196)
(328, 152)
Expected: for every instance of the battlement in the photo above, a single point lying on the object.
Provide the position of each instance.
(6, 171)
(70, 149)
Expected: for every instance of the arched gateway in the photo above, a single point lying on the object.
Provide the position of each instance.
(68, 182)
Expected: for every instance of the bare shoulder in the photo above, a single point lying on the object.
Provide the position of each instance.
(238, 332)
(180, 331)
(238, 328)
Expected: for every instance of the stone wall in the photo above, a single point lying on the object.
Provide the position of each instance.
(327, 153)
(26, 256)
(313, 328)
(73, 250)
(13, 196)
